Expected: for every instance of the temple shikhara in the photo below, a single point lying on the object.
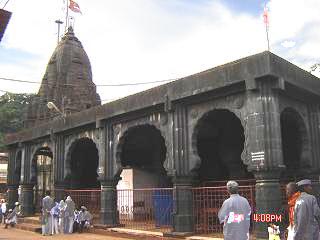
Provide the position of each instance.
(161, 158)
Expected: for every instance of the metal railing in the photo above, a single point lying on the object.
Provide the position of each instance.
(208, 200)
(146, 209)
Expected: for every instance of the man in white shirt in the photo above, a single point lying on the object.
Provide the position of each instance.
(235, 215)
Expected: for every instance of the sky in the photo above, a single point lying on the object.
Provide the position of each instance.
(150, 40)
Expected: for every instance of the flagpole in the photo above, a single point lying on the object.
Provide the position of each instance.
(266, 22)
(67, 16)
(267, 32)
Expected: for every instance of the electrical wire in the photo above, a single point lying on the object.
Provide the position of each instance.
(5, 4)
(97, 85)
(103, 100)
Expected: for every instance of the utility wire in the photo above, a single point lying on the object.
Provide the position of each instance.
(103, 100)
(98, 85)
(5, 4)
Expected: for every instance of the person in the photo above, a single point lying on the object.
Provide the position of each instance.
(3, 210)
(306, 214)
(85, 218)
(76, 222)
(292, 194)
(69, 214)
(235, 214)
(11, 219)
(42, 222)
(54, 212)
(274, 232)
(62, 209)
(47, 204)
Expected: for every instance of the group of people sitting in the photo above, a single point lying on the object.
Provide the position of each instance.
(63, 217)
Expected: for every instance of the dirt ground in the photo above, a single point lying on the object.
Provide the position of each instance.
(16, 234)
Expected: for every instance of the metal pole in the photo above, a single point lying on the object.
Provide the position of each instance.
(67, 16)
(267, 31)
(59, 22)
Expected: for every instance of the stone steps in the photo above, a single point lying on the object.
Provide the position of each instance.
(29, 227)
(33, 224)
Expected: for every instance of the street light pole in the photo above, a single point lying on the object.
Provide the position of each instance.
(51, 106)
(59, 22)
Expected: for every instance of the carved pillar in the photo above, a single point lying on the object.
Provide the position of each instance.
(59, 191)
(314, 123)
(108, 213)
(58, 167)
(12, 179)
(12, 194)
(107, 171)
(268, 198)
(183, 219)
(264, 147)
(27, 206)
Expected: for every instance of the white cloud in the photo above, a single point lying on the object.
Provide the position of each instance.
(288, 44)
(147, 40)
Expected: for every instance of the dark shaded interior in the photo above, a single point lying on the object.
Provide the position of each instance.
(291, 134)
(45, 165)
(84, 165)
(144, 148)
(41, 174)
(220, 142)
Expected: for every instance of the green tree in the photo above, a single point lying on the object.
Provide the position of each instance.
(12, 108)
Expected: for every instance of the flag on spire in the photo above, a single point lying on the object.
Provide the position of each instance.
(266, 22)
(74, 7)
(266, 16)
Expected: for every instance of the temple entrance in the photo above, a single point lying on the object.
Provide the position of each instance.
(144, 194)
(219, 139)
(41, 174)
(143, 148)
(84, 161)
(294, 143)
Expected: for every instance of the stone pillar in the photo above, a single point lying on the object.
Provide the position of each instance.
(268, 198)
(27, 206)
(183, 218)
(59, 191)
(12, 194)
(109, 215)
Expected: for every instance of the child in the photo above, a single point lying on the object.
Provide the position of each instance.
(274, 232)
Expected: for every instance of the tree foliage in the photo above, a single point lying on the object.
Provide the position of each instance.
(12, 108)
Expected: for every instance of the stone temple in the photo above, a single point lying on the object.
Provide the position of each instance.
(255, 119)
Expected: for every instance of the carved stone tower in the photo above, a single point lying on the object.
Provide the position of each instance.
(67, 83)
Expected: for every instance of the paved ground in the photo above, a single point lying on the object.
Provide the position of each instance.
(16, 234)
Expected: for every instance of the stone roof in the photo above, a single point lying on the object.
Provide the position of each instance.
(241, 74)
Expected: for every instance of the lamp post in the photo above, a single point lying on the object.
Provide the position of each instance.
(52, 106)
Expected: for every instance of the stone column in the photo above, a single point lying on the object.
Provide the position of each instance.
(268, 198)
(109, 215)
(183, 218)
(59, 191)
(27, 206)
(12, 194)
